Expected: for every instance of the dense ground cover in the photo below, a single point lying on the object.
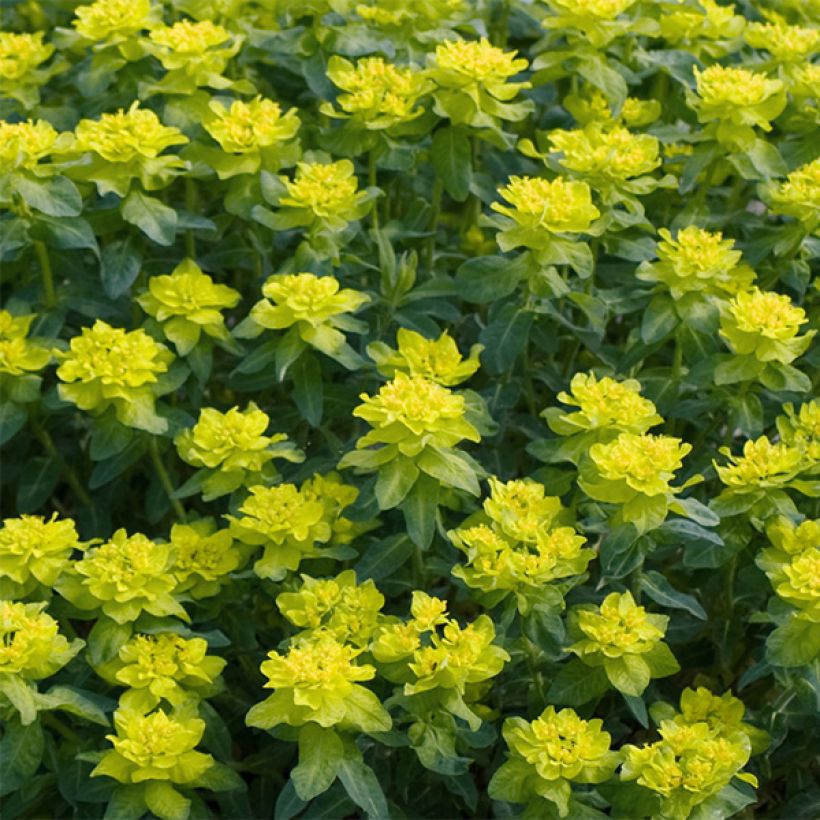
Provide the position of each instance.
(407, 409)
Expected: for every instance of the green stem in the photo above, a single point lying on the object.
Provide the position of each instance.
(371, 181)
(532, 663)
(53, 722)
(435, 210)
(48, 277)
(164, 478)
(190, 206)
(66, 469)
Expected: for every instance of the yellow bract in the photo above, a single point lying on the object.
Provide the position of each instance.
(762, 464)
(21, 53)
(737, 95)
(24, 144)
(20, 356)
(190, 38)
(327, 190)
(799, 194)
(107, 18)
(593, 9)
(460, 62)
(246, 127)
(784, 42)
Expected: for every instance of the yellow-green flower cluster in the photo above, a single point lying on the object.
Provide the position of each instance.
(157, 749)
(377, 94)
(124, 577)
(764, 465)
(411, 18)
(113, 21)
(24, 144)
(31, 646)
(110, 367)
(595, 20)
(316, 307)
(517, 545)
(20, 357)
(700, 751)
(433, 652)
(606, 156)
(801, 429)
(634, 471)
(20, 55)
(710, 28)
(787, 44)
(187, 302)
(335, 496)
(257, 131)
(799, 195)
(340, 607)
(35, 550)
(764, 325)
(437, 360)
(203, 558)
(200, 50)
(697, 261)
(606, 407)
(410, 414)
(473, 79)
(323, 195)
(319, 680)
(291, 522)
(792, 563)
(623, 638)
(540, 207)
(160, 667)
(549, 753)
(232, 445)
(592, 107)
(737, 99)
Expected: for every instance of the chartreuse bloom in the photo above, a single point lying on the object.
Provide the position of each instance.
(434, 654)
(696, 261)
(204, 557)
(801, 429)
(318, 680)
(35, 551)
(412, 18)
(417, 425)
(762, 329)
(158, 751)
(786, 43)
(596, 20)
(521, 510)
(634, 471)
(737, 100)
(164, 666)
(232, 449)
(798, 195)
(701, 750)
(315, 310)
(24, 144)
(540, 208)
(437, 360)
(21, 358)
(188, 303)
(335, 496)
(708, 27)
(340, 607)
(115, 21)
(763, 466)
(110, 367)
(547, 755)
(194, 53)
(624, 639)
(287, 522)
(21, 71)
(124, 577)
(376, 94)
(126, 145)
(253, 135)
(606, 407)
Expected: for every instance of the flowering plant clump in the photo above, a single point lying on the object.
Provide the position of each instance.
(409, 408)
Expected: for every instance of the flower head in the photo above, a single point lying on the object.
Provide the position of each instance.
(785, 43)
(108, 366)
(35, 550)
(521, 509)
(125, 576)
(20, 54)
(437, 360)
(593, 9)
(704, 28)
(348, 611)
(24, 144)
(324, 191)
(376, 93)
(245, 128)
(411, 413)
(31, 645)
(200, 49)
(765, 324)
(763, 465)
(106, 19)
(698, 261)
(318, 680)
(461, 62)
(187, 302)
(801, 429)
(799, 194)
(157, 746)
(540, 206)
(20, 356)
(203, 557)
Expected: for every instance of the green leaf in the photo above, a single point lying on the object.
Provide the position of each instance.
(165, 801)
(76, 702)
(384, 557)
(320, 752)
(394, 481)
(21, 751)
(21, 695)
(489, 278)
(308, 389)
(577, 684)
(37, 482)
(504, 338)
(127, 803)
(795, 643)
(452, 159)
(629, 674)
(659, 320)
(450, 468)
(120, 265)
(419, 508)
(288, 804)
(662, 592)
(107, 470)
(363, 788)
(105, 640)
(65, 233)
(12, 420)
(594, 69)
(156, 220)
(54, 196)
